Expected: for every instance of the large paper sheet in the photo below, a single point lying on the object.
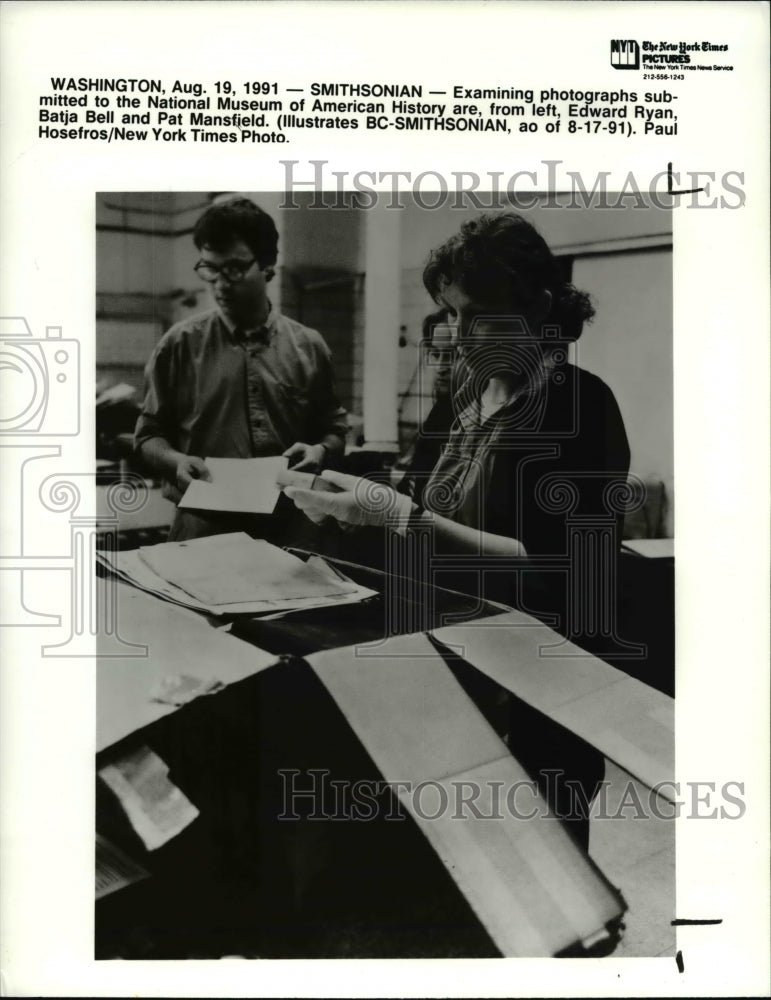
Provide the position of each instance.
(533, 889)
(178, 642)
(628, 721)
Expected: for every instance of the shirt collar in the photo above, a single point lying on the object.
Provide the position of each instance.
(467, 399)
(254, 333)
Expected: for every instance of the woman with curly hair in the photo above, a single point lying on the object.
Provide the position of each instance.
(527, 425)
(522, 488)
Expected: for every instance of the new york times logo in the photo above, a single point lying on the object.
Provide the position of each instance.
(624, 53)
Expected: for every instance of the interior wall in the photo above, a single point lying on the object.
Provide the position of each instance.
(629, 345)
(330, 238)
(564, 229)
(323, 285)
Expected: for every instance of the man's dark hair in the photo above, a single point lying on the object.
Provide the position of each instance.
(502, 258)
(238, 219)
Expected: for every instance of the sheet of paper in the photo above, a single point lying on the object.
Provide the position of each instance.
(181, 689)
(114, 869)
(652, 548)
(333, 575)
(131, 568)
(239, 486)
(155, 807)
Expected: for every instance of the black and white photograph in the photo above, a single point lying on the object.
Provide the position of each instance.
(384, 537)
(397, 587)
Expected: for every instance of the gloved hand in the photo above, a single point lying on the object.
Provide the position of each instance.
(354, 502)
(306, 481)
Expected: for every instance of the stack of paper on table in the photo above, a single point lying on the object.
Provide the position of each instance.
(239, 486)
(233, 574)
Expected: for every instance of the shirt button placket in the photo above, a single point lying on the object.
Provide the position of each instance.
(254, 387)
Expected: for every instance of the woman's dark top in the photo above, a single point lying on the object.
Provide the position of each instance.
(548, 469)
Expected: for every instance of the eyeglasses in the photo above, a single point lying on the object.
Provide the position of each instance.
(232, 270)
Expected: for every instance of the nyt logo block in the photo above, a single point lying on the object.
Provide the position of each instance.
(624, 53)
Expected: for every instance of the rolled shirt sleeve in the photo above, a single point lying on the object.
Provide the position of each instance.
(329, 416)
(156, 417)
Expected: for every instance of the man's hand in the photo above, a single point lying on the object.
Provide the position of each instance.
(356, 502)
(189, 468)
(306, 457)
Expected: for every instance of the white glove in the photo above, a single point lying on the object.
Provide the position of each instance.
(355, 501)
(305, 482)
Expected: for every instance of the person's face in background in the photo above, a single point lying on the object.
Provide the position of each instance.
(442, 358)
(495, 338)
(243, 300)
(442, 386)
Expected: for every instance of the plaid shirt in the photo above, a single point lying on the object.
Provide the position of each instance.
(494, 472)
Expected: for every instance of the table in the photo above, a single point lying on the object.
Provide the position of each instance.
(181, 641)
(214, 878)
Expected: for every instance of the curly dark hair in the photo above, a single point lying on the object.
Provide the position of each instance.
(238, 219)
(500, 257)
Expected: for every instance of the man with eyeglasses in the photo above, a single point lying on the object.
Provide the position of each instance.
(239, 380)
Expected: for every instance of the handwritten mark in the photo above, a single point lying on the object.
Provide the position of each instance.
(670, 189)
(694, 923)
(680, 962)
